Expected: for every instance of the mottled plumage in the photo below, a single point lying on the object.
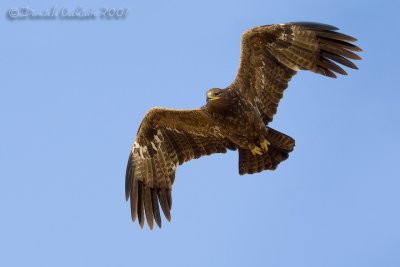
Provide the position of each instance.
(234, 118)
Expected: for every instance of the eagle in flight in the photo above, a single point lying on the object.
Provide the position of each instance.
(234, 118)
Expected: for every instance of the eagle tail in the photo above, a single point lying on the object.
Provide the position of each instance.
(278, 150)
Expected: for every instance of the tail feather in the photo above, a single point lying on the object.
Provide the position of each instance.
(280, 147)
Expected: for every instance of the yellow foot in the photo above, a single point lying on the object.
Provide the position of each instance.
(256, 151)
(264, 145)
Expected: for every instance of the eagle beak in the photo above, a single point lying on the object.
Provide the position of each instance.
(211, 97)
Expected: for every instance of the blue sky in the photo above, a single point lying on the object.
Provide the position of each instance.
(74, 92)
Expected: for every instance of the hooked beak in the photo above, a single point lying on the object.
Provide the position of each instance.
(211, 97)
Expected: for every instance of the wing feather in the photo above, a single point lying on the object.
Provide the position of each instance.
(166, 139)
(148, 203)
(272, 54)
(140, 207)
(156, 209)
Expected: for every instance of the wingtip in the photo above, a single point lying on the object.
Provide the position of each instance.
(128, 177)
(315, 25)
(328, 73)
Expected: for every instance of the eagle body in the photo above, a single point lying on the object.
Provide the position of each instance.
(234, 118)
(238, 119)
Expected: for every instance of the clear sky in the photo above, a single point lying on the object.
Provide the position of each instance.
(73, 93)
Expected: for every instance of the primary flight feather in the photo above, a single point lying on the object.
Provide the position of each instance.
(234, 118)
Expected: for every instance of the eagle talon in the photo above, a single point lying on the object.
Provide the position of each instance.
(264, 145)
(256, 151)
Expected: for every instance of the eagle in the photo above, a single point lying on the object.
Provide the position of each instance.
(234, 118)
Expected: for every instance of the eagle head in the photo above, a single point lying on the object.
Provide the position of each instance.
(220, 100)
(215, 94)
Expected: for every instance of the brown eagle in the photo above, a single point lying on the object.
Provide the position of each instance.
(235, 117)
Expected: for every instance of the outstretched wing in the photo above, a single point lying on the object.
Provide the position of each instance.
(272, 54)
(166, 138)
